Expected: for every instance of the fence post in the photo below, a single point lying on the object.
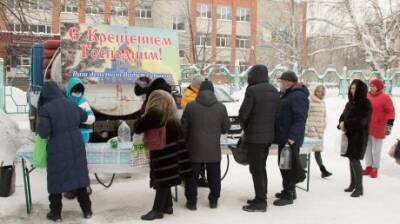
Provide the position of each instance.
(2, 86)
(344, 84)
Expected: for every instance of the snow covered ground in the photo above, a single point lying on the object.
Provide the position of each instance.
(326, 203)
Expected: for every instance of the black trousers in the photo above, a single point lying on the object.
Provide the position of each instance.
(356, 174)
(162, 200)
(257, 155)
(214, 182)
(289, 176)
(82, 196)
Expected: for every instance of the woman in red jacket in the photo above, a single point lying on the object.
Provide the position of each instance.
(380, 125)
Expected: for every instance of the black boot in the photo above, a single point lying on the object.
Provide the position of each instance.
(283, 194)
(54, 217)
(153, 214)
(255, 207)
(169, 211)
(213, 204)
(191, 206)
(285, 198)
(350, 188)
(324, 172)
(357, 193)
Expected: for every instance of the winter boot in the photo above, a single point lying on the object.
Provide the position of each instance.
(153, 214)
(350, 188)
(255, 207)
(284, 194)
(213, 204)
(191, 206)
(169, 211)
(357, 193)
(54, 217)
(373, 173)
(367, 171)
(324, 172)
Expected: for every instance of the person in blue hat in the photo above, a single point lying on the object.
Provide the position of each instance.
(75, 91)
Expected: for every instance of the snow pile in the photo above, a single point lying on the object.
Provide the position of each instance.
(15, 100)
(10, 137)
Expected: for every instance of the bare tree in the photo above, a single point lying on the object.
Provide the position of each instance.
(372, 26)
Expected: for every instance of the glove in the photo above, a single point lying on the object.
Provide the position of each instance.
(388, 129)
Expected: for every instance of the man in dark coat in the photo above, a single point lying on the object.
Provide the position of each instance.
(59, 121)
(258, 113)
(203, 122)
(292, 124)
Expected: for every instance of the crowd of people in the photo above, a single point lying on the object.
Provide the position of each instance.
(191, 147)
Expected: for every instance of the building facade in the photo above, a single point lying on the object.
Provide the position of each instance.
(210, 31)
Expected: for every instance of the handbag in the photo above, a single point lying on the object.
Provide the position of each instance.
(240, 151)
(344, 144)
(39, 157)
(7, 180)
(156, 139)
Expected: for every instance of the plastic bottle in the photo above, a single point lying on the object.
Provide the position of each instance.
(124, 132)
(285, 162)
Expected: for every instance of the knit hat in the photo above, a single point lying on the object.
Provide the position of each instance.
(289, 76)
(207, 85)
(378, 83)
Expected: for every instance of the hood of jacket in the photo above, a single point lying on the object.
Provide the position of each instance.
(298, 87)
(257, 74)
(206, 98)
(70, 85)
(49, 92)
(361, 91)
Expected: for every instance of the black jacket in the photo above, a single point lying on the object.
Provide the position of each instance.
(356, 117)
(260, 109)
(203, 121)
(293, 115)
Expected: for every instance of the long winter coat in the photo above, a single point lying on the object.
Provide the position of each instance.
(382, 112)
(293, 115)
(203, 122)
(356, 117)
(316, 122)
(59, 120)
(168, 167)
(260, 109)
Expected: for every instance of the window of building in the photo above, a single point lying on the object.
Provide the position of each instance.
(70, 6)
(182, 53)
(21, 60)
(242, 42)
(39, 4)
(33, 28)
(224, 13)
(243, 15)
(204, 11)
(223, 40)
(178, 22)
(143, 12)
(119, 9)
(94, 7)
(203, 39)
